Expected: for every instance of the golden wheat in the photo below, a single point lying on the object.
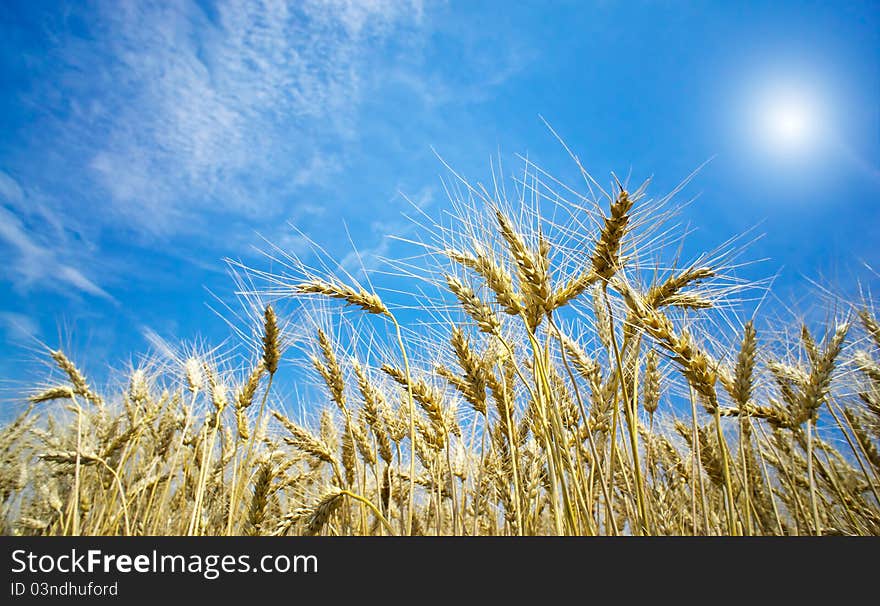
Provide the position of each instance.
(557, 394)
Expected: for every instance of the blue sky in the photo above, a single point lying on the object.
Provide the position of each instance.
(140, 142)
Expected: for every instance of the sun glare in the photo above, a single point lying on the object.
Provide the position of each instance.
(787, 122)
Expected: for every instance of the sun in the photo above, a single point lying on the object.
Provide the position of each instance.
(787, 122)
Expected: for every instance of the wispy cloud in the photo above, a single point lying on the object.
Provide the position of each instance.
(37, 256)
(187, 127)
(18, 327)
(370, 258)
(183, 111)
(158, 343)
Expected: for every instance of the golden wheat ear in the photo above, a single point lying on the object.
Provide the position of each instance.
(369, 302)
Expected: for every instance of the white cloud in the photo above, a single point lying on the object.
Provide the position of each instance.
(158, 343)
(38, 256)
(156, 119)
(17, 326)
(10, 190)
(166, 113)
(367, 259)
(225, 111)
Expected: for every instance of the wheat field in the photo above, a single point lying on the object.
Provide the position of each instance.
(544, 363)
